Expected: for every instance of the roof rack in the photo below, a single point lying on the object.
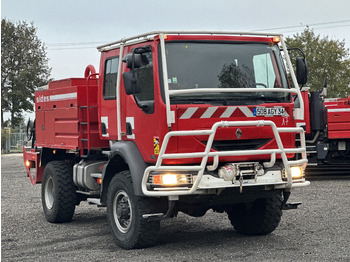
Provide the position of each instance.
(149, 35)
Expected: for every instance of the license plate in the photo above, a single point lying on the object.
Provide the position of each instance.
(269, 111)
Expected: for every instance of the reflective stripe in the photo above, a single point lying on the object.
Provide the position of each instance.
(220, 112)
(209, 112)
(189, 112)
(63, 97)
(246, 111)
(228, 112)
(339, 110)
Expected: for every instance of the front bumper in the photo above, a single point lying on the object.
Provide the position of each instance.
(210, 184)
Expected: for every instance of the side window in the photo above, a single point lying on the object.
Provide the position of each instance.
(110, 78)
(264, 71)
(145, 78)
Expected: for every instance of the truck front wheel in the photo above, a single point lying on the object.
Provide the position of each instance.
(58, 193)
(260, 217)
(124, 214)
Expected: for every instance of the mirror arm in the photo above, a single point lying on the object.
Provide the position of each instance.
(137, 101)
(143, 107)
(133, 75)
(298, 49)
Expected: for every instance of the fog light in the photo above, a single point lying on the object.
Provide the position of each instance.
(297, 172)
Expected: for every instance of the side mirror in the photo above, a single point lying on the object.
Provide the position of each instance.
(130, 83)
(301, 67)
(132, 60)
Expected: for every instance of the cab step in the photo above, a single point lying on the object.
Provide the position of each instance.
(95, 201)
(289, 206)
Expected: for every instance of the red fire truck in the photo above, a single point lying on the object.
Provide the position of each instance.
(173, 122)
(327, 129)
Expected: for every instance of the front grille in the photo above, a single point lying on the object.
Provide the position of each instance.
(231, 145)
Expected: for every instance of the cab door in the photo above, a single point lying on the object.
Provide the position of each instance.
(107, 95)
(144, 107)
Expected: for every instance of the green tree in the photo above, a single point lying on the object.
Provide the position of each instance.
(24, 66)
(326, 59)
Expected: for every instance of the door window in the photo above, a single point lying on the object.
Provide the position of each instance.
(145, 78)
(110, 78)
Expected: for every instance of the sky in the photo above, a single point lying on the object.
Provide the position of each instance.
(71, 30)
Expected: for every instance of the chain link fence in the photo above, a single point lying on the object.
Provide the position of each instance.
(14, 142)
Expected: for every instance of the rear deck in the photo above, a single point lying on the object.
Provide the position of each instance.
(67, 115)
(338, 118)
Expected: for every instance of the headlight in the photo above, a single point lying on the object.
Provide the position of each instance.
(297, 172)
(170, 179)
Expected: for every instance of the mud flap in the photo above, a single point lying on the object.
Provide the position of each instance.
(287, 206)
(31, 160)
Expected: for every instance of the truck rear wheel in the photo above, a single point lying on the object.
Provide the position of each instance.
(260, 217)
(124, 214)
(58, 193)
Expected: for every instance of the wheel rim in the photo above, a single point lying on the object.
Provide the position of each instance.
(49, 193)
(122, 212)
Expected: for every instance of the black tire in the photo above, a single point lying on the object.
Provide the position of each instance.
(58, 192)
(124, 214)
(260, 217)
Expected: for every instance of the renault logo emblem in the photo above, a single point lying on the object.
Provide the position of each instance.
(239, 133)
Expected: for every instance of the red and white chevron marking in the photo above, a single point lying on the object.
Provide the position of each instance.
(217, 112)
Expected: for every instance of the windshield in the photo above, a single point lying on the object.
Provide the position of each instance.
(194, 65)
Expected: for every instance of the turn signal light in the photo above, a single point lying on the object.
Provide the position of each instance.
(29, 164)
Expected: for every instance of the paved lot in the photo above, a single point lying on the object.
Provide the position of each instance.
(318, 231)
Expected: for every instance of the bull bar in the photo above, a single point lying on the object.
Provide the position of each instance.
(216, 155)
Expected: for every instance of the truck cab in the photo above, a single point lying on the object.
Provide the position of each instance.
(186, 122)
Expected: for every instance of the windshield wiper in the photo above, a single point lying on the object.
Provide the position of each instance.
(189, 100)
(269, 99)
(232, 100)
